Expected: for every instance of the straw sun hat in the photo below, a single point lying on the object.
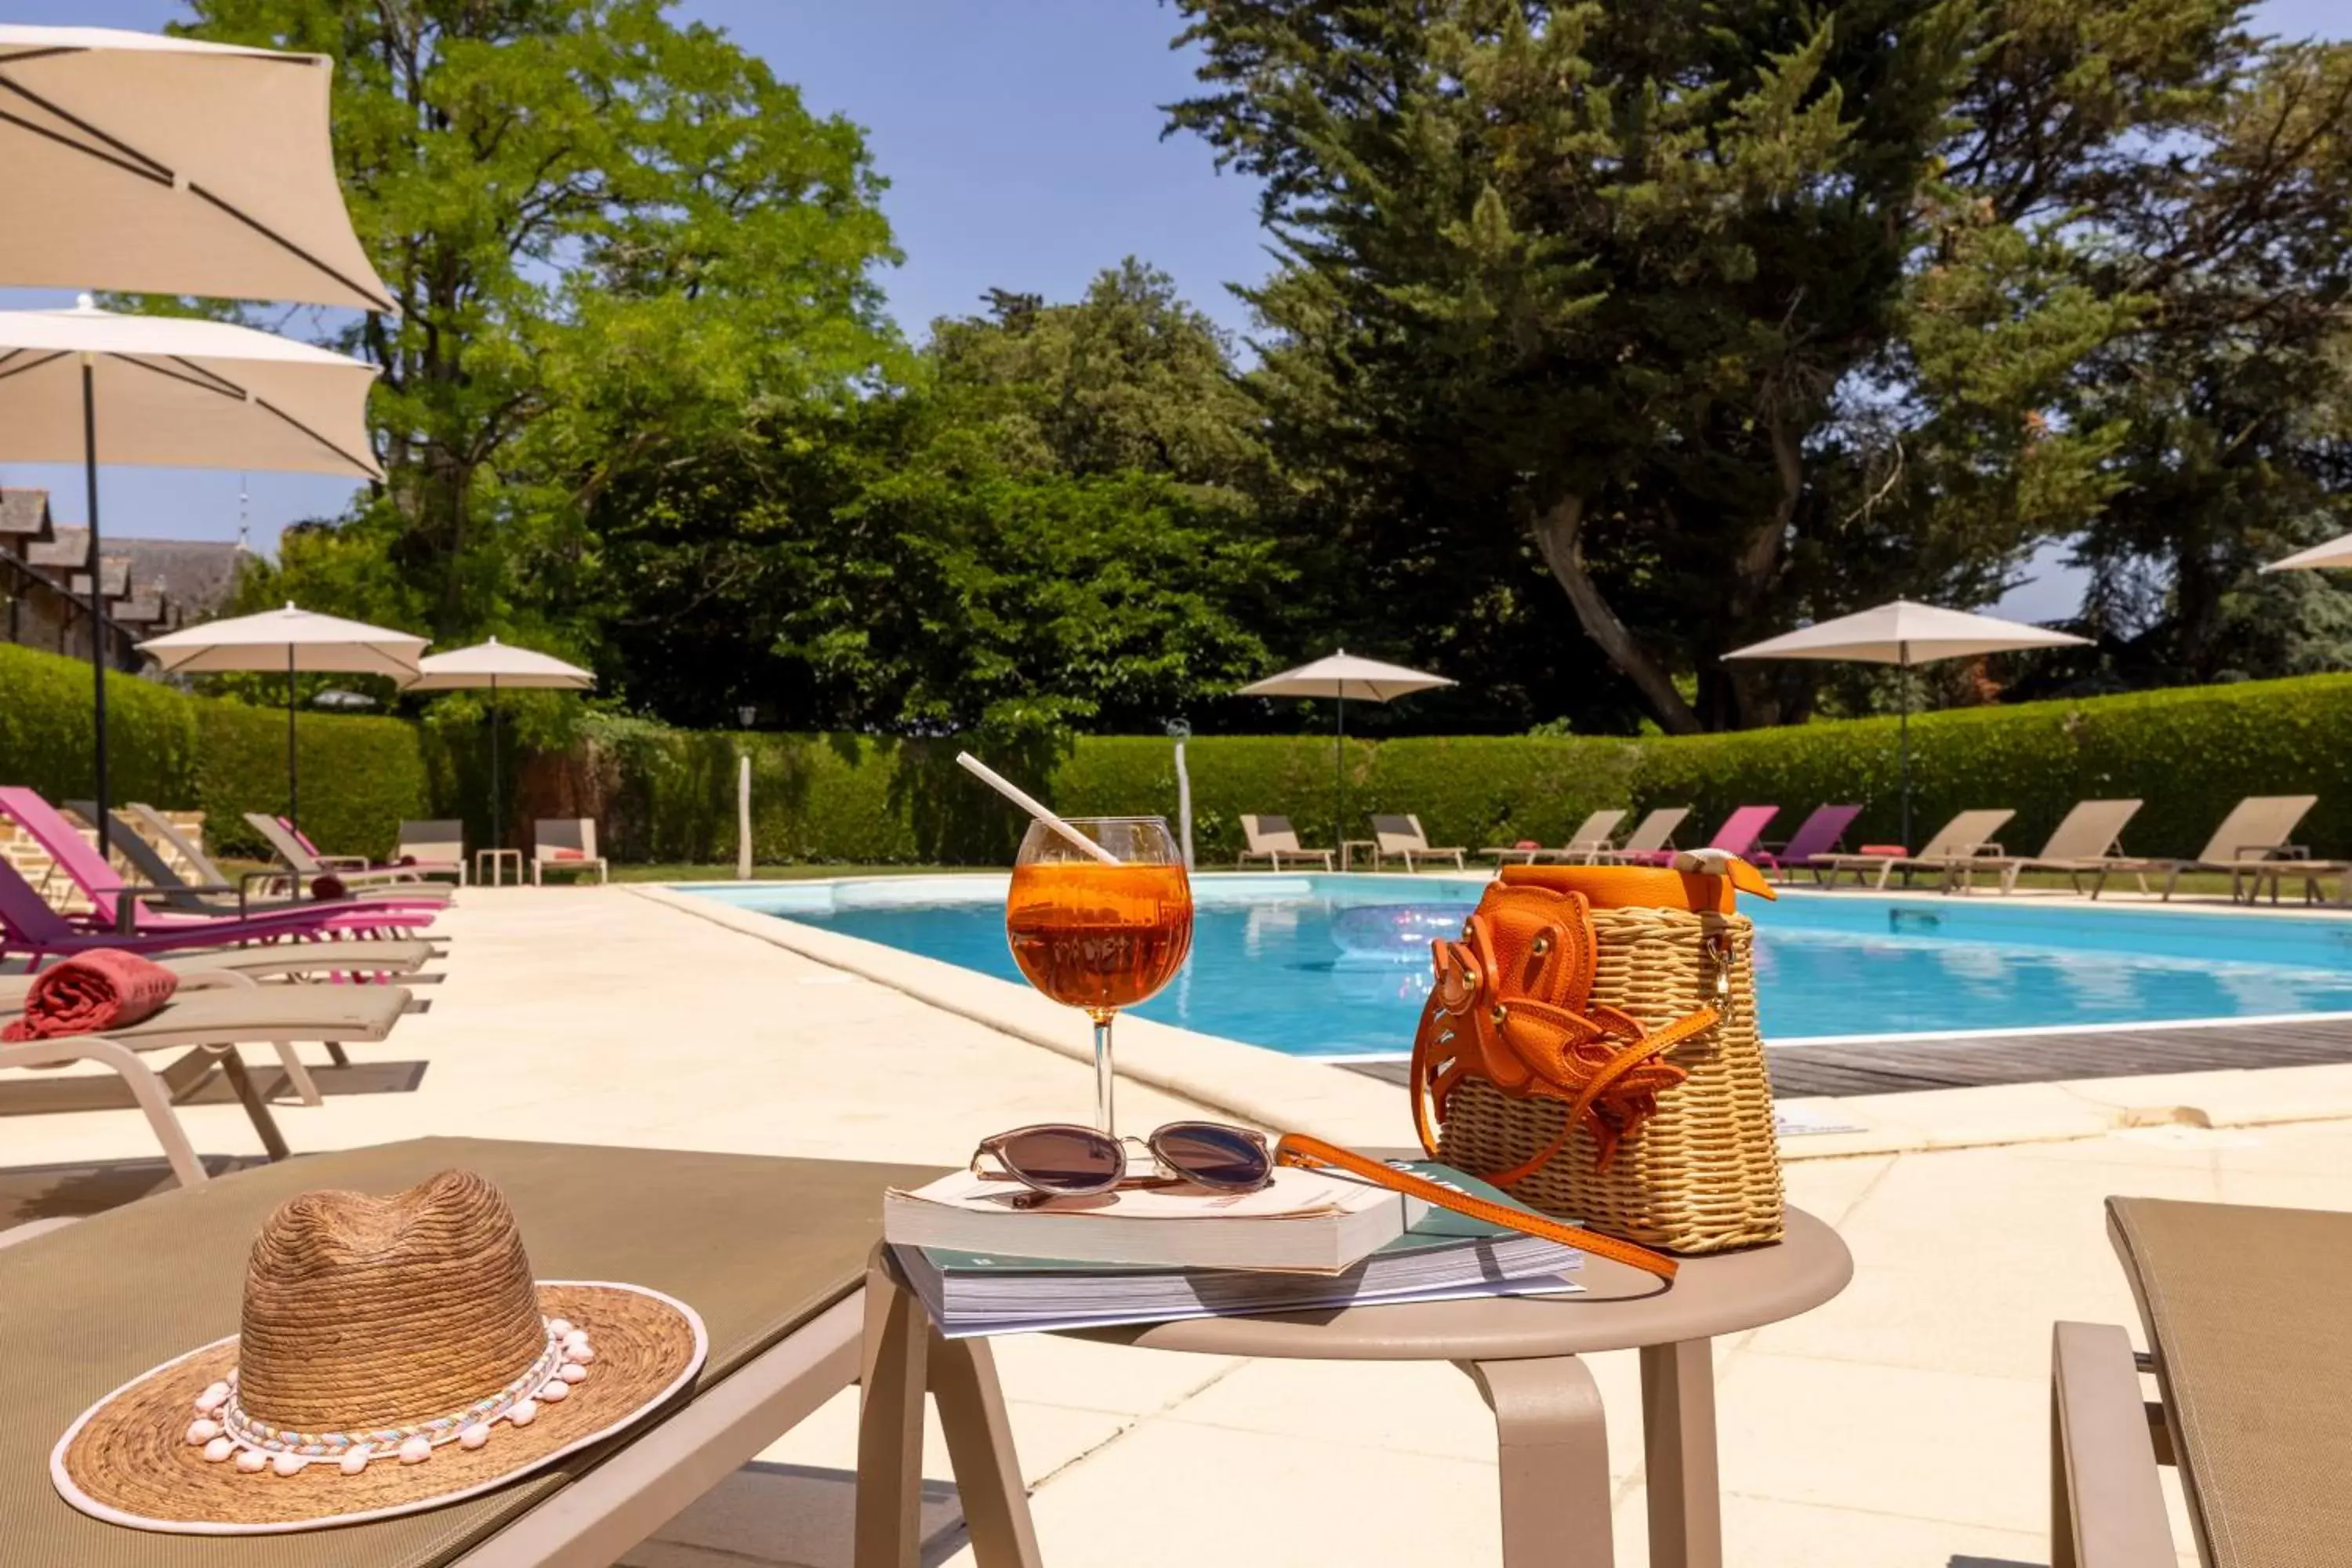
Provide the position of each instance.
(395, 1355)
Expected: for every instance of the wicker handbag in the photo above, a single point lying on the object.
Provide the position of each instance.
(1590, 1046)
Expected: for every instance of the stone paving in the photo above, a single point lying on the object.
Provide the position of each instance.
(1903, 1424)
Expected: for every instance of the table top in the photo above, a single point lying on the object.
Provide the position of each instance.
(1620, 1309)
(757, 1246)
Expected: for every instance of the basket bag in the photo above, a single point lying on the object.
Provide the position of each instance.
(1591, 1047)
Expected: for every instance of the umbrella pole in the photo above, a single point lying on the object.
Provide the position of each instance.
(293, 753)
(97, 600)
(1903, 726)
(497, 801)
(1340, 775)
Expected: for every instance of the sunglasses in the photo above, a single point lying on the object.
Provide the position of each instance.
(1054, 1161)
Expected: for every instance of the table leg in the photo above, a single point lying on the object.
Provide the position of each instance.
(1679, 1455)
(1554, 1457)
(890, 1426)
(979, 1445)
(903, 1355)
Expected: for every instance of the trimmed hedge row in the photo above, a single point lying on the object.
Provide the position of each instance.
(2189, 754)
(360, 776)
(669, 796)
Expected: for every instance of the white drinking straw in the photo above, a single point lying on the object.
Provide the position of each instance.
(1021, 798)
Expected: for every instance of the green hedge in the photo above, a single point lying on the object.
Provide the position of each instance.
(669, 796)
(360, 776)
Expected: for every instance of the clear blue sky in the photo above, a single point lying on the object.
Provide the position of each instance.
(1022, 141)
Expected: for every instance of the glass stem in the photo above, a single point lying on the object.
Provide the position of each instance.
(1103, 1073)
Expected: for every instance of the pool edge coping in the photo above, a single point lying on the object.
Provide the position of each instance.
(1318, 1095)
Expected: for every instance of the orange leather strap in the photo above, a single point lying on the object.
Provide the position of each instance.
(1298, 1148)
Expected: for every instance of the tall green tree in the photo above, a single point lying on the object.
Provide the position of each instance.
(611, 237)
(1722, 314)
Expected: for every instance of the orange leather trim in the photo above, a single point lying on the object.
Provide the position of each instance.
(1298, 1148)
(1655, 887)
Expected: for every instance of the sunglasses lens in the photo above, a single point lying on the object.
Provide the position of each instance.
(1063, 1159)
(1212, 1155)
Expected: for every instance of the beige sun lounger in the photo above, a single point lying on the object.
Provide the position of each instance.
(2087, 842)
(2251, 844)
(354, 873)
(782, 1301)
(1969, 834)
(437, 848)
(1589, 841)
(1402, 837)
(213, 1012)
(1269, 838)
(1654, 832)
(2244, 1310)
(565, 844)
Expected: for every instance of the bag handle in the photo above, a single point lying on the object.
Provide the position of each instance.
(1298, 1148)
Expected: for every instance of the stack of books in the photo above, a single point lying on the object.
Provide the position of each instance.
(987, 1258)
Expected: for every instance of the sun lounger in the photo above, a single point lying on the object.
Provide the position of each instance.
(1738, 836)
(1402, 837)
(213, 1012)
(1654, 833)
(2243, 1308)
(564, 844)
(1970, 832)
(1818, 837)
(772, 1254)
(1269, 838)
(142, 822)
(306, 867)
(2087, 842)
(118, 919)
(434, 848)
(2252, 845)
(1590, 840)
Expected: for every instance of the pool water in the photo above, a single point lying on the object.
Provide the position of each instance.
(1339, 966)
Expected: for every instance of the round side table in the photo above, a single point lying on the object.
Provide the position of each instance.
(1522, 1353)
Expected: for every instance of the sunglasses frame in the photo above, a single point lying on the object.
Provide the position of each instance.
(1119, 1179)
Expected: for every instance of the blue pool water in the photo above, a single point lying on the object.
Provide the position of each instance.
(1316, 965)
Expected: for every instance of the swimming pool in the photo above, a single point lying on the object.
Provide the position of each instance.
(1338, 966)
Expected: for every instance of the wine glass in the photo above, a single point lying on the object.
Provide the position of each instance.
(1100, 935)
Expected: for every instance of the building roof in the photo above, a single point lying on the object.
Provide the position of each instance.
(196, 575)
(23, 511)
(66, 547)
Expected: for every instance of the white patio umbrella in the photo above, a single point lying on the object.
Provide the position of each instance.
(1904, 633)
(1341, 676)
(494, 666)
(173, 393)
(153, 164)
(2334, 552)
(292, 640)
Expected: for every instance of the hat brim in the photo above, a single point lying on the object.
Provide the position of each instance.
(126, 1459)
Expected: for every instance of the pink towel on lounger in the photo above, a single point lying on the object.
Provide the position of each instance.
(90, 994)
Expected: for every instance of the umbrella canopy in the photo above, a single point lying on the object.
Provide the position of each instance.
(2334, 552)
(166, 165)
(1345, 676)
(287, 639)
(1902, 632)
(499, 666)
(294, 641)
(1905, 633)
(1341, 676)
(174, 391)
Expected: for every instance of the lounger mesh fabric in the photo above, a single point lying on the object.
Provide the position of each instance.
(2246, 1309)
(758, 1247)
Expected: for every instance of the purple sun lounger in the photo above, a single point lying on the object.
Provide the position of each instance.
(149, 931)
(1817, 835)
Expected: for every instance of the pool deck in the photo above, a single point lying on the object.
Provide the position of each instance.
(1902, 1426)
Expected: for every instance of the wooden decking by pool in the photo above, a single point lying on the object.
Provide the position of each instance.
(1896, 1065)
